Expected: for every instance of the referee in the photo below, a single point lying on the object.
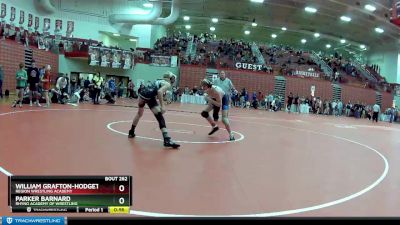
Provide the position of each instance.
(225, 84)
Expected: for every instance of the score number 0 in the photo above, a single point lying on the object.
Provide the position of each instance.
(121, 200)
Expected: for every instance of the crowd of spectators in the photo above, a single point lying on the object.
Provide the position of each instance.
(298, 104)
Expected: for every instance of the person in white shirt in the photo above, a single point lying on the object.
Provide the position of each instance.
(376, 109)
(334, 109)
(227, 86)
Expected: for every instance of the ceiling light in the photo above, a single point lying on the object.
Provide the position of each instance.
(186, 18)
(284, 28)
(214, 20)
(273, 35)
(212, 28)
(345, 18)
(343, 41)
(328, 46)
(317, 35)
(370, 7)
(246, 32)
(148, 5)
(310, 9)
(303, 41)
(132, 39)
(379, 30)
(257, 1)
(188, 27)
(116, 35)
(362, 46)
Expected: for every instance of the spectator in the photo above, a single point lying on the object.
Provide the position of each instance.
(22, 78)
(33, 81)
(290, 102)
(376, 109)
(46, 79)
(131, 88)
(98, 83)
(348, 108)
(1, 81)
(340, 107)
(112, 87)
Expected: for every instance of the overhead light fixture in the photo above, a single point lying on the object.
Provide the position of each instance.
(362, 46)
(343, 41)
(274, 35)
(370, 7)
(188, 27)
(254, 24)
(246, 32)
(214, 20)
(212, 28)
(317, 35)
(148, 5)
(284, 28)
(186, 18)
(345, 18)
(257, 1)
(379, 30)
(310, 9)
(132, 40)
(116, 35)
(328, 46)
(303, 41)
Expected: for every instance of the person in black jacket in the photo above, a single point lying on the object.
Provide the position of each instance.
(33, 82)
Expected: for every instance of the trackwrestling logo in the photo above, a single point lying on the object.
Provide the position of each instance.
(33, 220)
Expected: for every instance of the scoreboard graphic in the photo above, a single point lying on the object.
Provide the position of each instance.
(70, 194)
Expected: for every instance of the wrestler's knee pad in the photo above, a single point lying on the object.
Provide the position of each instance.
(225, 120)
(161, 121)
(205, 114)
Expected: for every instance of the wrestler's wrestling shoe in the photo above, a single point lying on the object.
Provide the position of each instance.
(214, 129)
(131, 134)
(170, 144)
(232, 138)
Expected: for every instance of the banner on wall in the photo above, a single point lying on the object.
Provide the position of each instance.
(306, 74)
(397, 90)
(3, 10)
(115, 58)
(94, 56)
(174, 61)
(70, 28)
(21, 17)
(13, 11)
(105, 57)
(248, 66)
(157, 60)
(46, 25)
(36, 23)
(30, 20)
(58, 25)
(128, 60)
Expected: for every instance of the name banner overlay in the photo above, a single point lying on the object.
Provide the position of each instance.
(90, 194)
(16, 220)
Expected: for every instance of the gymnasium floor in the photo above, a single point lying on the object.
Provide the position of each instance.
(281, 164)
